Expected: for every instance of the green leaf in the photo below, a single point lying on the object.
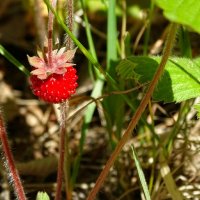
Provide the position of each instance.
(126, 70)
(197, 108)
(180, 80)
(141, 175)
(42, 196)
(186, 12)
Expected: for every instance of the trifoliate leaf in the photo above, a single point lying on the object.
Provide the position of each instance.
(186, 12)
(42, 196)
(180, 80)
(126, 70)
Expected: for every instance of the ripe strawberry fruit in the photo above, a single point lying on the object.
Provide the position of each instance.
(55, 82)
(56, 88)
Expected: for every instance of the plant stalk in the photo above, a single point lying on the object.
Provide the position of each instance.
(10, 164)
(138, 113)
(61, 150)
(67, 159)
(62, 109)
(50, 34)
(70, 22)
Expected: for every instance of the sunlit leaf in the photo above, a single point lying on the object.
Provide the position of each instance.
(186, 12)
(42, 196)
(180, 80)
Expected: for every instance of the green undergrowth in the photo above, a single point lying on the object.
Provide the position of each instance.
(122, 77)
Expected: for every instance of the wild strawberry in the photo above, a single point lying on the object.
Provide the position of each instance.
(55, 82)
(56, 87)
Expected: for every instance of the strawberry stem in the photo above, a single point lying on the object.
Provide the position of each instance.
(64, 154)
(61, 150)
(69, 21)
(67, 166)
(50, 34)
(67, 160)
(10, 164)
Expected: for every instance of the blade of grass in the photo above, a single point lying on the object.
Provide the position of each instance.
(168, 179)
(90, 40)
(88, 30)
(13, 60)
(111, 57)
(97, 91)
(111, 37)
(185, 108)
(114, 117)
(140, 174)
(87, 119)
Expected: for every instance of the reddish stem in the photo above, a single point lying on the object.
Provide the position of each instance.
(67, 160)
(67, 166)
(50, 34)
(10, 164)
(70, 20)
(61, 151)
(137, 115)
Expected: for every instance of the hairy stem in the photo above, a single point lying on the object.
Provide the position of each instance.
(64, 159)
(61, 150)
(67, 162)
(67, 166)
(70, 22)
(50, 34)
(10, 164)
(138, 113)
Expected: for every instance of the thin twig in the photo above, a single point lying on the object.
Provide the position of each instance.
(96, 100)
(138, 113)
(10, 164)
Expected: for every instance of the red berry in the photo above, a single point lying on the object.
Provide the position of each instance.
(56, 88)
